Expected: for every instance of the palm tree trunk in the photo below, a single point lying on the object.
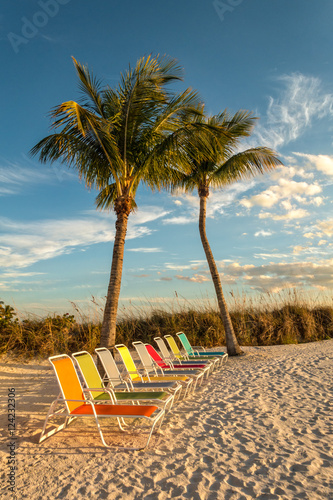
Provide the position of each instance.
(233, 347)
(108, 331)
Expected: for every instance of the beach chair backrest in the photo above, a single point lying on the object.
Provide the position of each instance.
(110, 366)
(89, 371)
(187, 346)
(163, 348)
(173, 346)
(128, 360)
(68, 380)
(154, 354)
(146, 360)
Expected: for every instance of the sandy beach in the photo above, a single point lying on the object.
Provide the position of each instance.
(260, 428)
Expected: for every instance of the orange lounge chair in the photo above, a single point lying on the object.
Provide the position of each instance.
(75, 404)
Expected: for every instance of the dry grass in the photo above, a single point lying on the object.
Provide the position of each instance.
(269, 320)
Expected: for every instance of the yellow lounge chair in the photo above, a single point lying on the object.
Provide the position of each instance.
(135, 374)
(93, 379)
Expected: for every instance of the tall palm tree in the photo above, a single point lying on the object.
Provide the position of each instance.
(119, 138)
(218, 165)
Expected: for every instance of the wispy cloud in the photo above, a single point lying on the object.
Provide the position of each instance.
(24, 243)
(145, 250)
(181, 219)
(288, 116)
(14, 178)
(146, 214)
(271, 277)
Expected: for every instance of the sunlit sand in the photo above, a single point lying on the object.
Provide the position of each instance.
(260, 428)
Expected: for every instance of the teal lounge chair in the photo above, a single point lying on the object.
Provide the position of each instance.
(194, 352)
(183, 355)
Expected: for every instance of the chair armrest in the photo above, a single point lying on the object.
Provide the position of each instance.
(134, 373)
(101, 389)
(202, 348)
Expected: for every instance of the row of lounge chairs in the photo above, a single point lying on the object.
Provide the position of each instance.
(144, 393)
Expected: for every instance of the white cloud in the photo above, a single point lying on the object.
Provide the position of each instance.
(196, 278)
(320, 230)
(309, 235)
(265, 199)
(323, 163)
(277, 276)
(218, 200)
(326, 227)
(299, 249)
(290, 171)
(270, 256)
(263, 233)
(297, 213)
(271, 276)
(317, 201)
(285, 189)
(177, 267)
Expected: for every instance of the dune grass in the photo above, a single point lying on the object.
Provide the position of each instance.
(269, 320)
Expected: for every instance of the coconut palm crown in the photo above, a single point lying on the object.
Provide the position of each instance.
(118, 138)
(218, 165)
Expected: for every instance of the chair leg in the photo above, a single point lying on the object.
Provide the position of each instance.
(50, 413)
(160, 418)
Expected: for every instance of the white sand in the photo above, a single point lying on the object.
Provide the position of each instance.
(261, 428)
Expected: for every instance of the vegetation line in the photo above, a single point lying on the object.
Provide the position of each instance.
(290, 321)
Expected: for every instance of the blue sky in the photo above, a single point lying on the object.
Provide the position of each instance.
(270, 234)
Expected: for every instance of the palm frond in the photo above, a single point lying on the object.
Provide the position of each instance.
(90, 87)
(245, 164)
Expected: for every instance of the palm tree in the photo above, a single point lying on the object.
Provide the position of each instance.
(119, 138)
(215, 167)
